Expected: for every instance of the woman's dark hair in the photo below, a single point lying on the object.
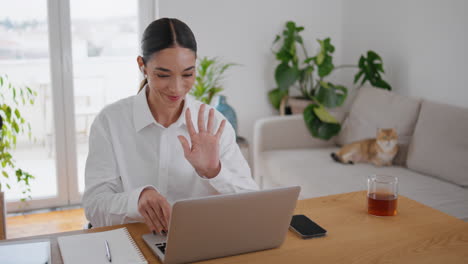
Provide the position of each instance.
(165, 33)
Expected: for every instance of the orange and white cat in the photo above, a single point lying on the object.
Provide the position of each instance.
(380, 151)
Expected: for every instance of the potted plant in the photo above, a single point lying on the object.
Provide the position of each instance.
(210, 73)
(12, 124)
(308, 74)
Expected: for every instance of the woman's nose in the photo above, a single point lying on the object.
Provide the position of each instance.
(176, 85)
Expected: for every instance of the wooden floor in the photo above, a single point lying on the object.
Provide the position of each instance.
(45, 223)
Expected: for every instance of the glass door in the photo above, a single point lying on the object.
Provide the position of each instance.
(104, 47)
(25, 61)
(78, 55)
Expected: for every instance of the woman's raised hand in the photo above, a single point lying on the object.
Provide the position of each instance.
(203, 152)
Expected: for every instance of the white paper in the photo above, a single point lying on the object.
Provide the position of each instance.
(91, 248)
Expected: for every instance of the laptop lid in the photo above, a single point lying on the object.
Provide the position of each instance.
(225, 225)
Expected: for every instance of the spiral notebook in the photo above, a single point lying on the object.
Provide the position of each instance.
(91, 248)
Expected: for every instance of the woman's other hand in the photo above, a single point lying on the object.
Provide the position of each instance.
(203, 152)
(155, 210)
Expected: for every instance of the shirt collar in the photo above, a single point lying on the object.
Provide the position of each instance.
(143, 117)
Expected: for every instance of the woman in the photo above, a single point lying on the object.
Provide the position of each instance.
(145, 152)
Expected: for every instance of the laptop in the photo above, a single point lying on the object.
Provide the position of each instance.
(225, 225)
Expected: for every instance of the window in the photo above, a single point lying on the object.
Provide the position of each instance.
(78, 55)
(24, 57)
(105, 46)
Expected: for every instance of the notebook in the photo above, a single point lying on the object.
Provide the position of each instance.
(91, 248)
(38, 252)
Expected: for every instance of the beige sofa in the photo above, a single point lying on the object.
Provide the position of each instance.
(432, 164)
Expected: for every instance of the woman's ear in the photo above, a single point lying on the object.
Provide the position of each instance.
(141, 65)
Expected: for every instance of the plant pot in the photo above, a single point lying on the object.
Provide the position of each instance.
(298, 104)
(284, 108)
(228, 112)
(2, 216)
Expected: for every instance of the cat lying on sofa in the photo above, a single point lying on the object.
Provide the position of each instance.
(380, 150)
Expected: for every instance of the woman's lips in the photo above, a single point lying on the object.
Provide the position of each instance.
(173, 98)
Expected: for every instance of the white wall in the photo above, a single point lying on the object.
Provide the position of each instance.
(242, 32)
(423, 44)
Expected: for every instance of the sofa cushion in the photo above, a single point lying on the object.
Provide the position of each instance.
(377, 108)
(440, 143)
(318, 175)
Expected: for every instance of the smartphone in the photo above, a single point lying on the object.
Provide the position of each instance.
(306, 228)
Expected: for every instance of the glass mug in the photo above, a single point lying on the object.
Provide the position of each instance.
(382, 195)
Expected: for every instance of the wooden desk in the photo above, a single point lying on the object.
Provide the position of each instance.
(418, 234)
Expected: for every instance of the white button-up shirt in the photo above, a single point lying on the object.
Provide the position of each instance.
(130, 151)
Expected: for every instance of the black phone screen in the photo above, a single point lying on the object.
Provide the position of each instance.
(306, 227)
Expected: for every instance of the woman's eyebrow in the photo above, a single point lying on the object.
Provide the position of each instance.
(162, 69)
(167, 70)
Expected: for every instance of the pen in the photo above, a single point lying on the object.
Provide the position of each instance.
(108, 254)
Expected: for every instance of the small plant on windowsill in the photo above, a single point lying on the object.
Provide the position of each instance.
(12, 124)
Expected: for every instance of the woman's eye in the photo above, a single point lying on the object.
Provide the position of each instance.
(162, 76)
(187, 75)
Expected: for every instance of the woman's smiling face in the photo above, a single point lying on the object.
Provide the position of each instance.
(171, 74)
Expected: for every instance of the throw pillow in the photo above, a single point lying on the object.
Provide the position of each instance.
(376, 108)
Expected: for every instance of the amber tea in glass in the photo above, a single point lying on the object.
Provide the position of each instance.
(382, 195)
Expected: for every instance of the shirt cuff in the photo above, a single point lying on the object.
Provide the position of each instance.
(132, 203)
(219, 181)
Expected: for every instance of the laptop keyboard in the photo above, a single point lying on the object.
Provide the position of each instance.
(162, 247)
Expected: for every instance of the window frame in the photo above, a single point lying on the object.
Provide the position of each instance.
(61, 68)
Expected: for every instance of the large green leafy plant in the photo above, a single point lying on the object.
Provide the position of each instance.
(308, 74)
(210, 73)
(12, 124)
